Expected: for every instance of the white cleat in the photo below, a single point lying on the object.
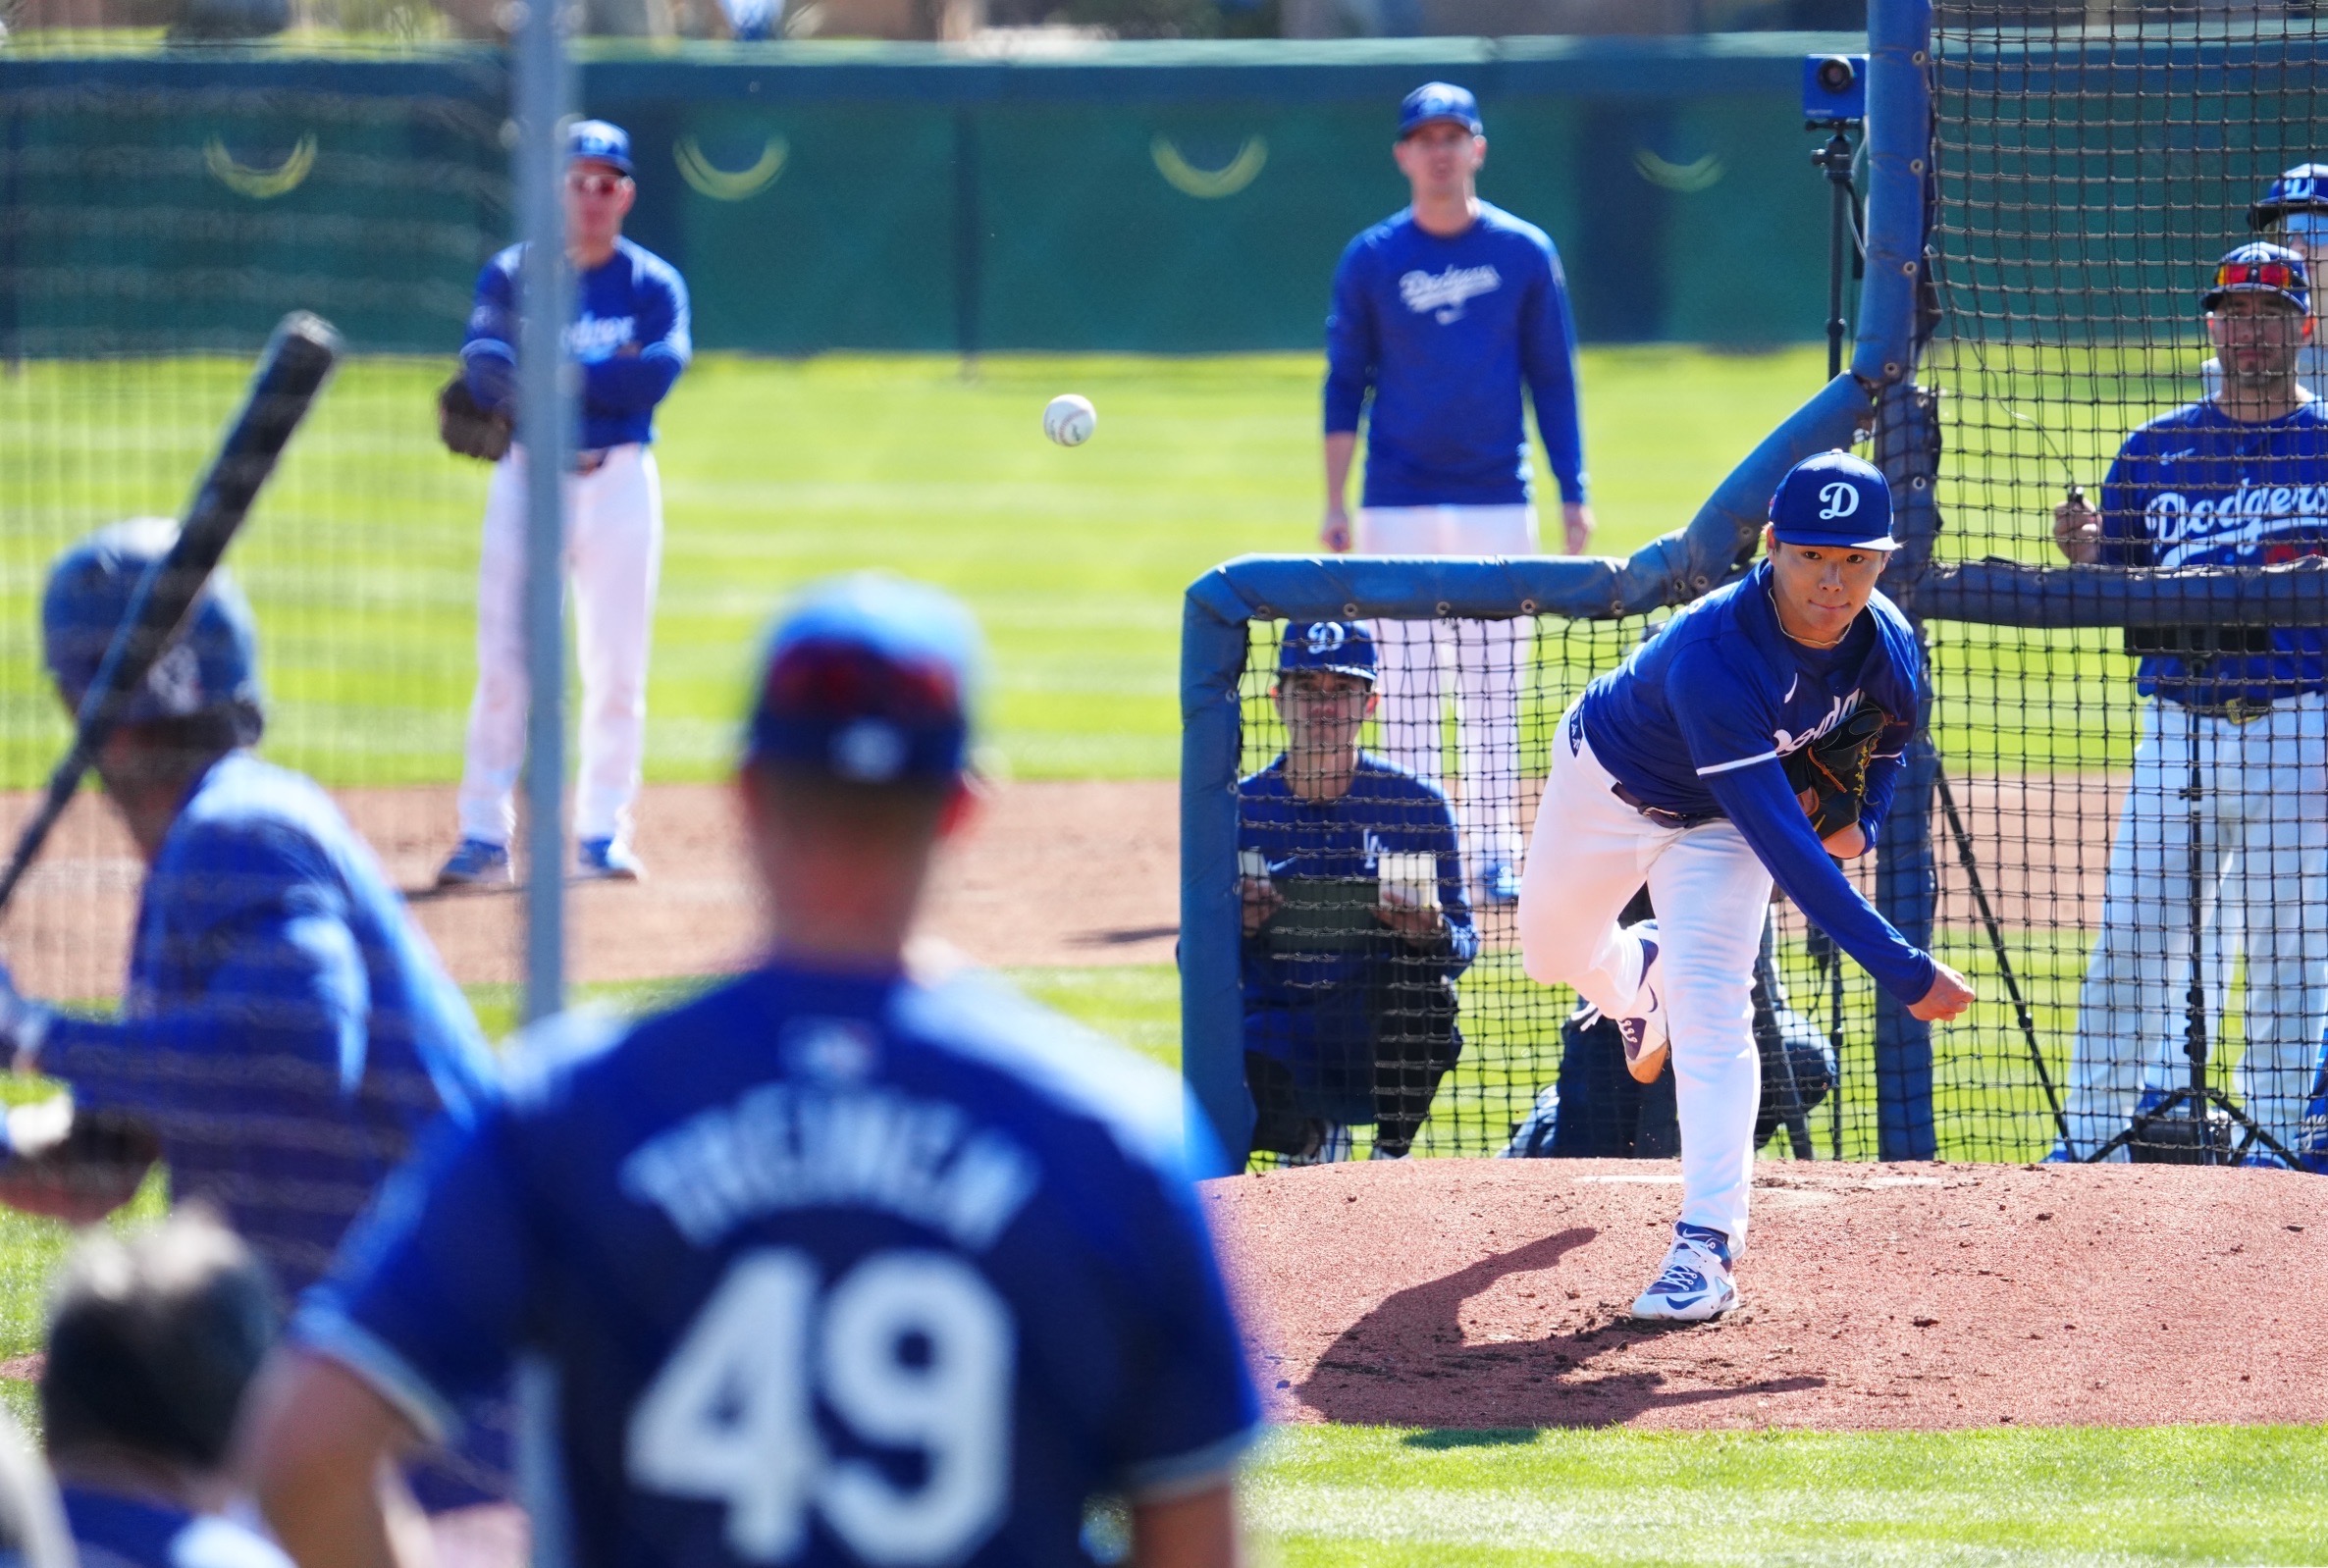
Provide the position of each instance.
(1695, 1283)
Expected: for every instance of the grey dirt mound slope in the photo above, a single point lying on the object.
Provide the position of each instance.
(1492, 1293)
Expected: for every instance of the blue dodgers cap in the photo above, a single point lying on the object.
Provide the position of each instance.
(1435, 101)
(1834, 502)
(867, 677)
(213, 663)
(2261, 269)
(1343, 647)
(599, 142)
(2303, 188)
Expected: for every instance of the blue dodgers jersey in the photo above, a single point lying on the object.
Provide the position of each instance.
(1445, 332)
(111, 1530)
(631, 336)
(825, 1270)
(2197, 487)
(1387, 811)
(1698, 719)
(286, 1031)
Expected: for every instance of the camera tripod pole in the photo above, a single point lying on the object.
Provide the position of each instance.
(1834, 161)
(2199, 1098)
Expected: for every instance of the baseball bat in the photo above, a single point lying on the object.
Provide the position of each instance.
(291, 372)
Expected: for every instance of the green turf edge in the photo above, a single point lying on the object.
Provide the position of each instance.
(1318, 1496)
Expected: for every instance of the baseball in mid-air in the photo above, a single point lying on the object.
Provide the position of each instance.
(1070, 420)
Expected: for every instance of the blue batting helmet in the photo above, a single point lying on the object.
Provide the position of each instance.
(869, 677)
(1344, 648)
(2261, 269)
(2303, 188)
(212, 663)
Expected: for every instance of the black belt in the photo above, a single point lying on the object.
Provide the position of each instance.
(2235, 709)
(1659, 814)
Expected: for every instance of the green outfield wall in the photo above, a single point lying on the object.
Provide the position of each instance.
(1140, 197)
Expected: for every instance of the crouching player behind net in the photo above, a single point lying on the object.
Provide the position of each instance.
(1681, 765)
(831, 1265)
(1349, 966)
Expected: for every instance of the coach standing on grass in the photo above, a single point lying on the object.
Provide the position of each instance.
(1442, 315)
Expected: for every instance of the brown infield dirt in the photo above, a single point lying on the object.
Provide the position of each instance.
(1492, 1293)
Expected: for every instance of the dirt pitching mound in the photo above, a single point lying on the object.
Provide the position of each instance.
(1492, 1293)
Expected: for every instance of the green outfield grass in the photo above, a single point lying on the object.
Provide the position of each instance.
(1387, 1498)
(361, 558)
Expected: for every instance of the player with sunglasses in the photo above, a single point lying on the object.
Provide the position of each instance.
(630, 339)
(2293, 213)
(2236, 479)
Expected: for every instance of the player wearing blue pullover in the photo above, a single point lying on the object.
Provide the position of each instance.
(630, 339)
(2239, 479)
(832, 1265)
(1445, 314)
(1672, 767)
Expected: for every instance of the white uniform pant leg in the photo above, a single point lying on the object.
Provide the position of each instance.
(2130, 1006)
(1406, 653)
(1493, 659)
(1591, 855)
(617, 559)
(495, 750)
(1713, 897)
(2277, 770)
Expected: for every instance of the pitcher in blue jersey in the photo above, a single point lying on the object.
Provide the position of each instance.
(1444, 316)
(1671, 769)
(2236, 479)
(630, 339)
(286, 1032)
(831, 1265)
(1355, 923)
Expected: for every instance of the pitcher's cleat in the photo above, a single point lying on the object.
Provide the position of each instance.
(475, 863)
(1695, 1283)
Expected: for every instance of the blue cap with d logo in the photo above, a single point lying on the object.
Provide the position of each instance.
(1343, 647)
(1833, 501)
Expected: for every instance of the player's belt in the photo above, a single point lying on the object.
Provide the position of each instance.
(2233, 710)
(1659, 814)
(591, 460)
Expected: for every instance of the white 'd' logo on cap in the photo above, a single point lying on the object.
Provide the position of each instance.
(1837, 500)
(1326, 637)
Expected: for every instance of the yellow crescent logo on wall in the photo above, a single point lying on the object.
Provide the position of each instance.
(1686, 178)
(729, 184)
(260, 185)
(1210, 185)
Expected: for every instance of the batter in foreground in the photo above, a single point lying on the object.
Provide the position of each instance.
(1755, 736)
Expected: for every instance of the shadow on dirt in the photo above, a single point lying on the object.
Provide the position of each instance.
(1405, 1363)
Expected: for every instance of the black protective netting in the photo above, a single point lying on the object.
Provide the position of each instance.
(2092, 166)
(1473, 706)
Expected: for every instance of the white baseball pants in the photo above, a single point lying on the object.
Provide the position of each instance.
(614, 556)
(1591, 853)
(1490, 661)
(2262, 880)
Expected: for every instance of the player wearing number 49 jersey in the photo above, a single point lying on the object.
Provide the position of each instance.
(831, 1266)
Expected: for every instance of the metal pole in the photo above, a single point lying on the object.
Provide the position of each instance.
(543, 92)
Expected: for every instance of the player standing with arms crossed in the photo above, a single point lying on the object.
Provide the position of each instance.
(832, 1265)
(1689, 766)
(1443, 314)
(2239, 479)
(630, 337)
